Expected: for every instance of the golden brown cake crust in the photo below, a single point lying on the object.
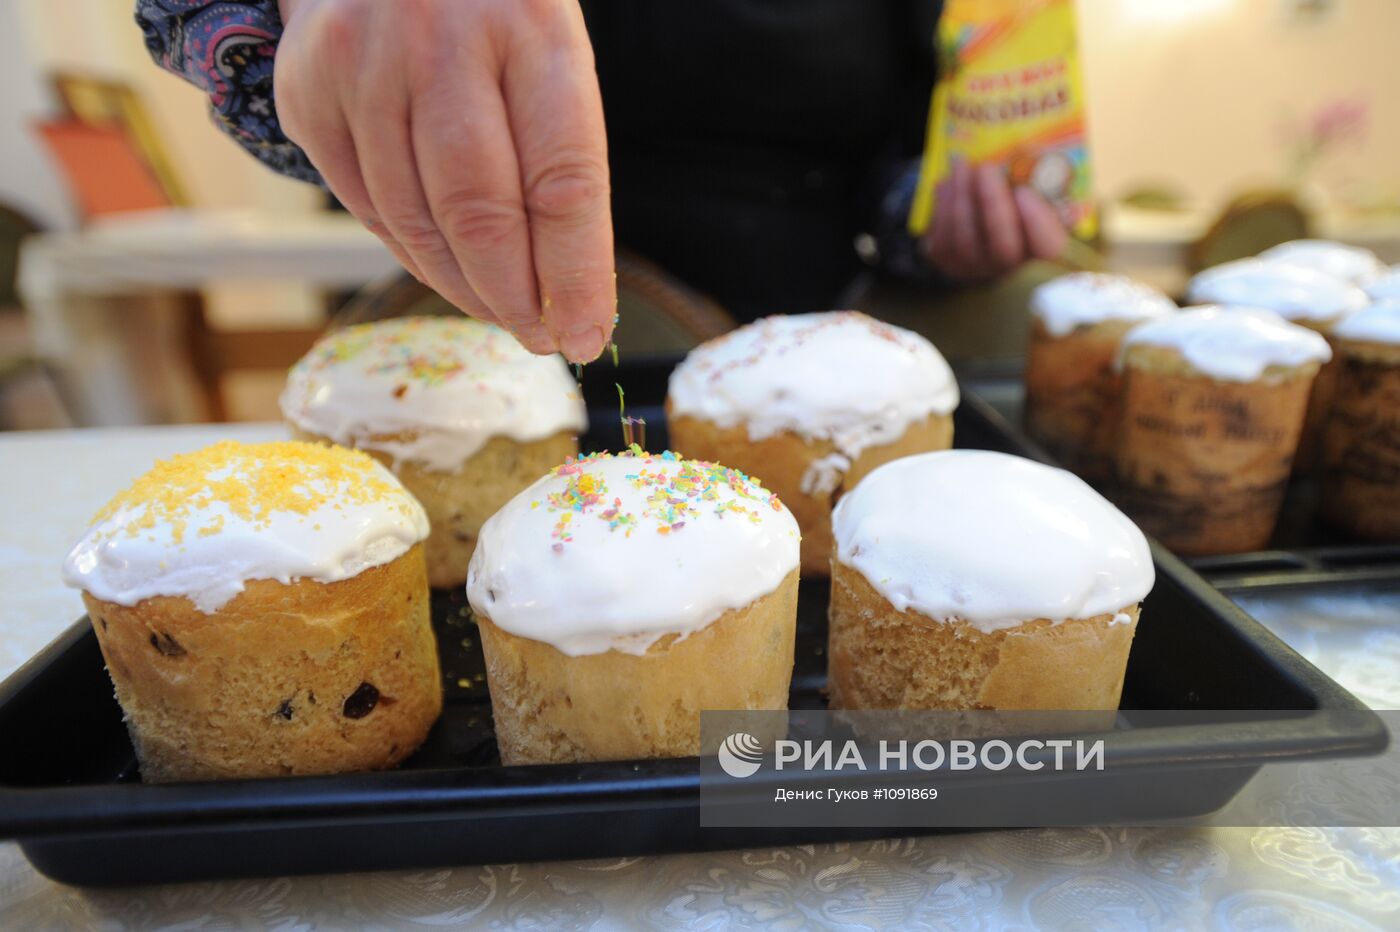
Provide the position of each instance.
(1202, 464)
(780, 462)
(1073, 395)
(303, 678)
(458, 503)
(552, 708)
(881, 658)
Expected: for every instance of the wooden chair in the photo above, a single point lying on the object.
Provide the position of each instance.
(1249, 224)
(18, 366)
(14, 227)
(214, 354)
(657, 313)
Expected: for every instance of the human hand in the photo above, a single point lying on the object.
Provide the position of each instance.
(468, 135)
(982, 229)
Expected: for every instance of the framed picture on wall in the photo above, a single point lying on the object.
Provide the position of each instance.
(104, 102)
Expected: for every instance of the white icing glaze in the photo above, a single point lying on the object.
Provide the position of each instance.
(1295, 292)
(1350, 263)
(1084, 298)
(580, 561)
(823, 475)
(992, 539)
(1234, 344)
(210, 551)
(1386, 286)
(1379, 323)
(452, 383)
(839, 376)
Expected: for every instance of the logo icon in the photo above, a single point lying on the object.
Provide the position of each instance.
(740, 755)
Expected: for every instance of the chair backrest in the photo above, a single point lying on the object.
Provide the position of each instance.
(14, 227)
(1249, 224)
(657, 313)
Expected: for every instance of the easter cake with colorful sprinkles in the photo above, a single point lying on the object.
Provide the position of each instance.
(621, 595)
(811, 403)
(464, 415)
(263, 610)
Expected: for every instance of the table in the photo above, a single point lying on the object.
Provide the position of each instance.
(68, 281)
(1130, 878)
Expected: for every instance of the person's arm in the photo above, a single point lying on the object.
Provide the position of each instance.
(466, 134)
(982, 228)
(226, 48)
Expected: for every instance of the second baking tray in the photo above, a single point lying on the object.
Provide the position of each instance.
(70, 793)
(1300, 536)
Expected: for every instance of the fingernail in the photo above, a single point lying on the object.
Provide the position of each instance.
(582, 345)
(536, 338)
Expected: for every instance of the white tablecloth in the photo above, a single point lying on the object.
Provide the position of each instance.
(1153, 878)
(76, 288)
(191, 248)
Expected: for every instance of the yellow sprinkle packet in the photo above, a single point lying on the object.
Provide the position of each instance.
(1009, 92)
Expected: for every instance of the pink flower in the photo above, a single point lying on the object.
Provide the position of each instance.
(1339, 121)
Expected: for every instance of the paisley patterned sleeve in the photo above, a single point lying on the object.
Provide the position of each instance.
(226, 48)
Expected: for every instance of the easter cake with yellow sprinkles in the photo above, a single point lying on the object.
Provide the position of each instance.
(622, 594)
(263, 610)
(463, 414)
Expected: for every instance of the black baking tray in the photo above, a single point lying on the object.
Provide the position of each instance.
(70, 793)
(1356, 568)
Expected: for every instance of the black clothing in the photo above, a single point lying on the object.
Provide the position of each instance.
(750, 141)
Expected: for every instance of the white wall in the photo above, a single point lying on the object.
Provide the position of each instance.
(1198, 91)
(1191, 91)
(100, 37)
(26, 181)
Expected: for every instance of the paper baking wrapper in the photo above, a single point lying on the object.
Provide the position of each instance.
(1361, 449)
(1202, 464)
(1073, 397)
